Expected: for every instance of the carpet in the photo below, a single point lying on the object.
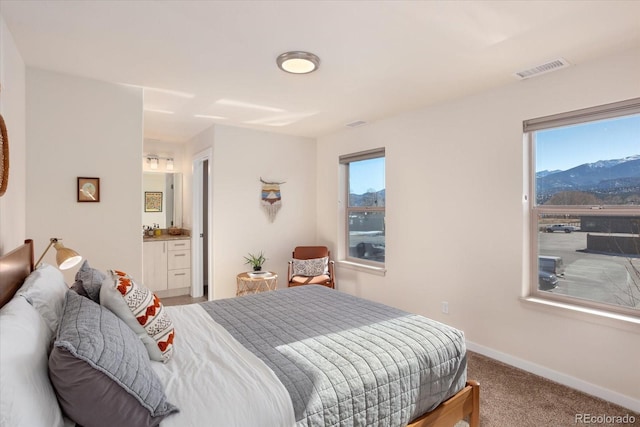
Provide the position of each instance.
(511, 397)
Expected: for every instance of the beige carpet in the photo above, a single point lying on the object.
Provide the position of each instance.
(510, 397)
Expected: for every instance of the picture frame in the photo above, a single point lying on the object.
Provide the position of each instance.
(153, 201)
(88, 189)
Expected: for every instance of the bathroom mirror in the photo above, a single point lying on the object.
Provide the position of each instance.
(162, 199)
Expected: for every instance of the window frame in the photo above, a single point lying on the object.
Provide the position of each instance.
(530, 127)
(345, 161)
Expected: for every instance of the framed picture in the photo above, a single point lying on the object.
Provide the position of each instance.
(153, 201)
(88, 189)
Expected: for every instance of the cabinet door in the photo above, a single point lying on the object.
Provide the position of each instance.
(154, 265)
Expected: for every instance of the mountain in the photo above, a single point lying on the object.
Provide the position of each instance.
(368, 199)
(604, 177)
(544, 173)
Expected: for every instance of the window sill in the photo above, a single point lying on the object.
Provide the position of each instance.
(365, 268)
(620, 321)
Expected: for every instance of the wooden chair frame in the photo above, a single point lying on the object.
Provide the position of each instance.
(311, 252)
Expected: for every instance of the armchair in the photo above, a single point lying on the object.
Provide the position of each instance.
(311, 265)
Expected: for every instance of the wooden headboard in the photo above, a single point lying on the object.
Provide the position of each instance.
(15, 266)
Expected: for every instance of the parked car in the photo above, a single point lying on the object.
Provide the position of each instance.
(561, 227)
(551, 264)
(546, 281)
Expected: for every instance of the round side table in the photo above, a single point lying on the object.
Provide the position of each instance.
(252, 283)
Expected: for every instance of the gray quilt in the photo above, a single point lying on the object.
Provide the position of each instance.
(347, 361)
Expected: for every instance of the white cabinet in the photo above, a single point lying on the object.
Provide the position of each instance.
(154, 265)
(179, 264)
(167, 266)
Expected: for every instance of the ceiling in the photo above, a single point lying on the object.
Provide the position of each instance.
(378, 58)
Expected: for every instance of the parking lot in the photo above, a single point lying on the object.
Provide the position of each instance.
(597, 277)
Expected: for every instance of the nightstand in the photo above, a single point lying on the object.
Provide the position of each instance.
(254, 282)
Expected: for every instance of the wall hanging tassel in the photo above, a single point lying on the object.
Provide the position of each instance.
(271, 199)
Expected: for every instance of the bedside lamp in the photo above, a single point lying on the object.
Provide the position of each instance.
(65, 258)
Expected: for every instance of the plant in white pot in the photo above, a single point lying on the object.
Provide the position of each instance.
(255, 261)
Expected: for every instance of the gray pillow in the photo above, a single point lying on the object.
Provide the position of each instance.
(101, 371)
(77, 286)
(91, 280)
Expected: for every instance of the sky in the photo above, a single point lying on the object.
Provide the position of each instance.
(557, 149)
(366, 175)
(570, 146)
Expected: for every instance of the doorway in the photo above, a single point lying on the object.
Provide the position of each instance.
(202, 225)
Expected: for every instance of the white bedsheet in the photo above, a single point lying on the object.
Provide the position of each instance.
(215, 381)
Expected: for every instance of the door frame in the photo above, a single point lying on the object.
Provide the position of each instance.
(197, 279)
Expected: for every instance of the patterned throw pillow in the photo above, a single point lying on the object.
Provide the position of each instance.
(142, 311)
(311, 267)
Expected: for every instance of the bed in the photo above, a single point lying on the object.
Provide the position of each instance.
(236, 363)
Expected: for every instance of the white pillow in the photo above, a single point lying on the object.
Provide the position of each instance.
(26, 396)
(44, 289)
(311, 267)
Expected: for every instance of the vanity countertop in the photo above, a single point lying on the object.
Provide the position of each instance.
(165, 237)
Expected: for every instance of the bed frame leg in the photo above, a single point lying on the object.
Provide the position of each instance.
(474, 418)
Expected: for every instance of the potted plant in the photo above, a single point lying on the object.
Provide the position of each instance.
(256, 261)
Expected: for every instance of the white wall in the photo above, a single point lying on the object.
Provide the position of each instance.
(456, 229)
(240, 225)
(81, 127)
(12, 107)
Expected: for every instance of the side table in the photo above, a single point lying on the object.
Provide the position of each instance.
(252, 283)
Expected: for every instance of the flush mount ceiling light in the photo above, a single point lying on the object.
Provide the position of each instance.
(298, 62)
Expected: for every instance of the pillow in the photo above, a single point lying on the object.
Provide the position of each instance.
(79, 289)
(44, 289)
(91, 280)
(26, 395)
(101, 372)
(142, 311)
(311, 267)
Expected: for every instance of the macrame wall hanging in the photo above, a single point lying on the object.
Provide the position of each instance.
(270, 199)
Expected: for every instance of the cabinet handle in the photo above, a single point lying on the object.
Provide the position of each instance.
(179, 244)
(179, 254)
(179, 274)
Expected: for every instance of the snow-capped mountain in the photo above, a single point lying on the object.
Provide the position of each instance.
(603, 176)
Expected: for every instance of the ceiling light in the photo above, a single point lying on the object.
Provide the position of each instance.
(169, 164)
(298, 62)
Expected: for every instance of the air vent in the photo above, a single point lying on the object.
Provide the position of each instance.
(356, 124)
(547, 67)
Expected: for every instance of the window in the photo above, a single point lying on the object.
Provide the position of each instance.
(365, 210)
(585, 209)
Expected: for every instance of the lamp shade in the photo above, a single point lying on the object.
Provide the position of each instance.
(66, 258)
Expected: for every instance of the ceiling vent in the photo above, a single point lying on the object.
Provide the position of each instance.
(356, 124)
(547, 67)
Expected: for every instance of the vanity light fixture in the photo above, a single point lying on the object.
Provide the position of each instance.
(298, 62)
(153, 162)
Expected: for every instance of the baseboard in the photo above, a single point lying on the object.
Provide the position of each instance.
(550, 374)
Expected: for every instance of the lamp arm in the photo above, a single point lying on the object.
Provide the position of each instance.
(51, 243)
